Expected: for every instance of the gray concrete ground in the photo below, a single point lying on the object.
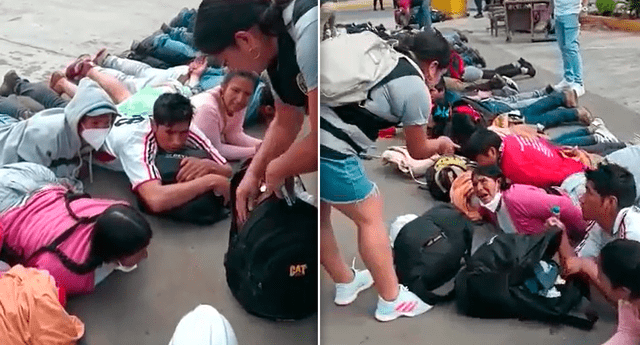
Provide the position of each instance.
(611, 94)
(184, 268)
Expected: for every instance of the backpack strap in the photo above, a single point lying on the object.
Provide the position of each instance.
(69, 197)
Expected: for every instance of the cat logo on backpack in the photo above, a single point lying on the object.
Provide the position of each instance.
(297, 270)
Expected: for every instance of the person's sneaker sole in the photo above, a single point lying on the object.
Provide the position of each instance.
(355, 295)
(415, 312)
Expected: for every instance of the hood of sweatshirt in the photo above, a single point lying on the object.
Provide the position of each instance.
(51, 137)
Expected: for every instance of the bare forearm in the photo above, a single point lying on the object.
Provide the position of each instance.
(300, 158)
(160, 198)
(224, 170)
(591, 270)
(277, 139)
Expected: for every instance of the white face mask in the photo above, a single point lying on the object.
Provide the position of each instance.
(493, 204)
(126, 269)
(95, 136)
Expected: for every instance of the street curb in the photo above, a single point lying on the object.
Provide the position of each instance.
(359, 5)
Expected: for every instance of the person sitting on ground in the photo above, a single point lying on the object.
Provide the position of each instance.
(47, 226)
(219, 114)
(609, 201)
(57, 137)
(620, 263)
(523, 209)
(531, 161)
(133, 143)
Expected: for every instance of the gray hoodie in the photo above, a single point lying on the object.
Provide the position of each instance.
(51, 137)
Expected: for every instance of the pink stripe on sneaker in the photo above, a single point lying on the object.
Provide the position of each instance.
(400, 306)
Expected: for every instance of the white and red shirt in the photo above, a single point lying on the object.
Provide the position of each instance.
(626, 225)
(131, 147)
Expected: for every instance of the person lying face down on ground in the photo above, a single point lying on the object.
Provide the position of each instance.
(44, 227)
(133, 143)
(21, 99)
(57, 137)
(531, 161)
(219, 114)
(609, 202)
(133, 75)
(523, 209)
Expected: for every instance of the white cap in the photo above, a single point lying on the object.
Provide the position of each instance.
(204, 326)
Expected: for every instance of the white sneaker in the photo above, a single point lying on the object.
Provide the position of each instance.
(595, 124)
(578, 88)
(347, 292)
(603, 135)
(510, 83)
(561, 85)
(406, 304)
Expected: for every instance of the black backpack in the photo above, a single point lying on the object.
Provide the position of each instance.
(428, 251)
(205, 209)
(492, 285)
(271, 264)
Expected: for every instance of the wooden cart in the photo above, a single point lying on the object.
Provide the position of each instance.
(528, 16)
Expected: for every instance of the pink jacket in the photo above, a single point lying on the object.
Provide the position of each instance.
(225, 132)
(529, 207)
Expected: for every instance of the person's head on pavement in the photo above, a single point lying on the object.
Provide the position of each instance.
(609, 189)
(120, 235)
(483, 147)
(241, 34)
(619, 261)
(91, 112)
(237, 89)
(488, 181)
(431, 51)
(172, 114)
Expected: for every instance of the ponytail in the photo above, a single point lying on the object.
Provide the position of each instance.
(425, 47)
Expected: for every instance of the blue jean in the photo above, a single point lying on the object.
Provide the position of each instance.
(547, 111)
(211, 78)
(578, 137)
(567, 32)
(344, 181)
(423, 17)
(186, 18)
(181, 35)
(171, 51)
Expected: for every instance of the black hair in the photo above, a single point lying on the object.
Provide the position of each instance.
(243, 74)
(266, 97)
(217, 21)
(480, 142)
(494, 172)
(118, 232)
(614, 180)
(440, 86)
(426, 46)
(620, 262)
(172, 108)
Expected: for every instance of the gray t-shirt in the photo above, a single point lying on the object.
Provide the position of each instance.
(403, 100)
